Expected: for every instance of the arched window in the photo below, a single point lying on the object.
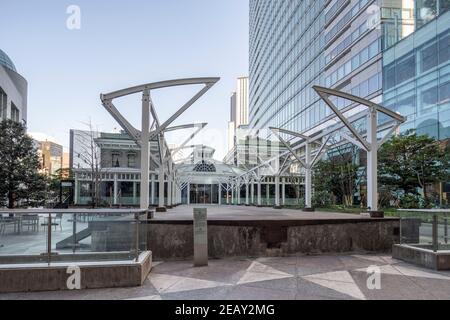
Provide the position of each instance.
(204, 167)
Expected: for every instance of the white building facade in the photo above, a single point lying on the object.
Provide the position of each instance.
(13, 91)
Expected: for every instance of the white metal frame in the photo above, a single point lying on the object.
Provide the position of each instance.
(321, 134)
(145, 135)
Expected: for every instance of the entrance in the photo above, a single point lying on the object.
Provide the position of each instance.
(204, 194)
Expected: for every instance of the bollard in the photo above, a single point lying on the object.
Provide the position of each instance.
(200, 237)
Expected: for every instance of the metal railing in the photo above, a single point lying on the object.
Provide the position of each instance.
(121, 227)
(425, 228)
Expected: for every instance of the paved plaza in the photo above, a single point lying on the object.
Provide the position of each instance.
(298, 277)
(245, 213)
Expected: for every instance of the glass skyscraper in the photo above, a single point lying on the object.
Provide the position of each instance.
(393, 52)
(296, 44)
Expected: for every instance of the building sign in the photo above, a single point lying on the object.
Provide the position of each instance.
(200, 237)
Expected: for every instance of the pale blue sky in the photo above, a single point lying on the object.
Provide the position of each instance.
(122, 44)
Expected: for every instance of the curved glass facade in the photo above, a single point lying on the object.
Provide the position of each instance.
(416, 83)
(6, 61)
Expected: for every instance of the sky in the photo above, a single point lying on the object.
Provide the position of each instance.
(122, 44)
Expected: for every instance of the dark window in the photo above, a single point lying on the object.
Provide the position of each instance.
(364, 89)
(115, 160)
(429, 57)
(444, 6)
(406, 69)
(373, 84)
(431, 131)
(126, 189)
(131, 161)
(429, 97)
(3, 104)
(15, 114)
(444, 49)
(389, 77)
(444, 93)
(406, 106)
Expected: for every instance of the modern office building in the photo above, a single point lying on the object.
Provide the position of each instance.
(241, 114)
(13, 91)
(370, 48)
(231, 132)
(417, 82)
(50, 156)
(238, 110)
(297, 44)
(417, 78)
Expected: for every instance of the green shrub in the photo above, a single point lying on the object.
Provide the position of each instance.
(322, 199)
(411, 201)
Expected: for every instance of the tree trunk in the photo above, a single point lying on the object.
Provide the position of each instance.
(10, 200)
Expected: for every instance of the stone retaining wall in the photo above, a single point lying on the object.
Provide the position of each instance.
(174, 240)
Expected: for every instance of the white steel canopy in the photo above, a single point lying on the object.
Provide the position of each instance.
(316, 141)
(156, 130)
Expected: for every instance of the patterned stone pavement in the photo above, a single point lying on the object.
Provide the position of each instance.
(298, 277)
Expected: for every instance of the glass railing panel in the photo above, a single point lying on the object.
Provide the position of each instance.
(77, 235)
(427, 229)
(24, 236)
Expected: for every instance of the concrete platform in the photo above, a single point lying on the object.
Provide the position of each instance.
(94, 274)
(422, 256)
(240, 231)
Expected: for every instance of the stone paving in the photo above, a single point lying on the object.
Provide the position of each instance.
(329, 277)
(236, 213)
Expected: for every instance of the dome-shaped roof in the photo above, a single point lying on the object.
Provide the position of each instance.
(6, 61)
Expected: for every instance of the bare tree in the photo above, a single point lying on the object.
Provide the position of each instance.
(90, 155)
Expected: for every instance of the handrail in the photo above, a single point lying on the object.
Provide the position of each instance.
(425, 210)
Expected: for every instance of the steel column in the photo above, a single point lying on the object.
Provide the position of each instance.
(259, 202)
(247, 194)
(188, 193)
(238, 193)
(252, 192)
(145, 150)
(372, 161)
(161, 174)
(153, 190)
(115, 190)
(169, 191)
(308, 177)
(277, 191)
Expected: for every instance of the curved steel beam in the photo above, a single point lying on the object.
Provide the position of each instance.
(160, 85)
(186, 126)
(368, 103)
